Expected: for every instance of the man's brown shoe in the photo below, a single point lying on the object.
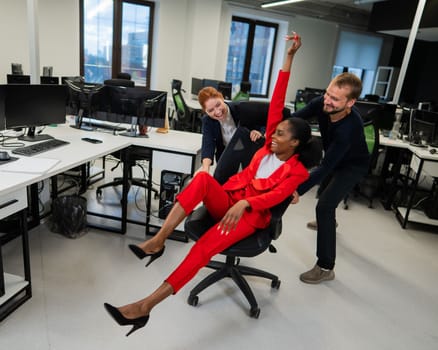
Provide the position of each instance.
(314, 226)
(317, 275)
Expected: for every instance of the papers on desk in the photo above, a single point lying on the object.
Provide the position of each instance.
(30, 165)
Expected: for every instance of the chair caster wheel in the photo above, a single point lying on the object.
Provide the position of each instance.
(193, 300)
(276, 284)
(254, 312)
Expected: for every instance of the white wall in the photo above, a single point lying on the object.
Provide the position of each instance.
(58, 36)
(13, 37)
(190, 39)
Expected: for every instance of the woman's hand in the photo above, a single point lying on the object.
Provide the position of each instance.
(295, 198)
(232, 216)
(254, 135)
(296, 43)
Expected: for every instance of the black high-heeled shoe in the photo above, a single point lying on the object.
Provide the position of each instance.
(136, 323)
(139, 253)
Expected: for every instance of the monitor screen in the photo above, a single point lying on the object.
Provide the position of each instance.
(423, 132)
(49, 80)
(18, 79)
(196, 86)
(225, 89)
(34, 105)
(383, 115)
(210, 82)
(425, 115)
(149, 106)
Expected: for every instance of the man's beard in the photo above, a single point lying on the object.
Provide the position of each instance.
(334, 111)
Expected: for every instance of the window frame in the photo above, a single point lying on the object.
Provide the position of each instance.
(117, 36)
(253, 23)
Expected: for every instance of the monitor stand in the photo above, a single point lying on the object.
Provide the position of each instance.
(132, 132)
(31, 137)
(79, 123)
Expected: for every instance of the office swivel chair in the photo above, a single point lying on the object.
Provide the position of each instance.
(185, 116)
(238, 153)
(123, 79)
(369, 186)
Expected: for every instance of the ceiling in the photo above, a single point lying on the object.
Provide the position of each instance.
(352, 13)
(349, 13)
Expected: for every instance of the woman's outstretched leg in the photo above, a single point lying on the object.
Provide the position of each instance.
(144, 306)
(202, 188)
(137, 314)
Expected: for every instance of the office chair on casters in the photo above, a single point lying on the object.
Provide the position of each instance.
(123, 79)
(200, 221)
(370, 185)
(185, 116)
(135, 154)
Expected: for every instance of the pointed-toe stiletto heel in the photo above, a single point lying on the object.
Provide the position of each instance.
(139, 253)
(136, 323)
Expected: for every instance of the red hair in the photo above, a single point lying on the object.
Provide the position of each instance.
(207, 93)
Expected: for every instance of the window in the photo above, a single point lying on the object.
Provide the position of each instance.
(250, 54)
(116, 36)
(359, 54)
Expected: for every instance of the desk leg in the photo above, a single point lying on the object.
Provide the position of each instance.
(26, 253)
(2, 276)
(149, 199)
(125, 189)
(411, 198)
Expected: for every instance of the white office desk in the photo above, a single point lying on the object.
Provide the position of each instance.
(422, 162)
(177, 150)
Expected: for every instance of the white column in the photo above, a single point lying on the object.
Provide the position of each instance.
(34, 45)
(409, 46)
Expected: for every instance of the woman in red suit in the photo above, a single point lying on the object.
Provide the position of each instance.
(240, 206)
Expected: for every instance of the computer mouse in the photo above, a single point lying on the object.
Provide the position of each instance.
(4, 155)
(432, 151)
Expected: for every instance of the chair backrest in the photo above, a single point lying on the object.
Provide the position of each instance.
(119, 82)
(255, 113)
(241, 96)
(182, 111)
(372, 136)
(236, 156)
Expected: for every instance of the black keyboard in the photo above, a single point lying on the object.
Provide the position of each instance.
(39, 147)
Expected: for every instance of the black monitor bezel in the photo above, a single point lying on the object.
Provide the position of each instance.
(34, 105)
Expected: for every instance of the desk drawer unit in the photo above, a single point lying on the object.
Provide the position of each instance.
(13, 202)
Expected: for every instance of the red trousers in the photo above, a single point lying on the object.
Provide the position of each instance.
(204, 188)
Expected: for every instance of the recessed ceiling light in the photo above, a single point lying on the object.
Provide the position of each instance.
(278, 3)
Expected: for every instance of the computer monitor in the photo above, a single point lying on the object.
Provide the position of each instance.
(49, 80)
(83, 100)
(210, 82)
(76, 78)
(426, 115)
(17, 79)
(30, 106)
(139, 106)
(383, 115)
(196, 86)
(225, 89)
(423, 132)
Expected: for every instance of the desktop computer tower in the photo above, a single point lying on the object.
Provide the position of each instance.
(170, 185)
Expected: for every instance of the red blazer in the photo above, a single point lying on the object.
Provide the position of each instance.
(263, 194)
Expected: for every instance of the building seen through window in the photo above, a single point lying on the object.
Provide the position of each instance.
(116, 38)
